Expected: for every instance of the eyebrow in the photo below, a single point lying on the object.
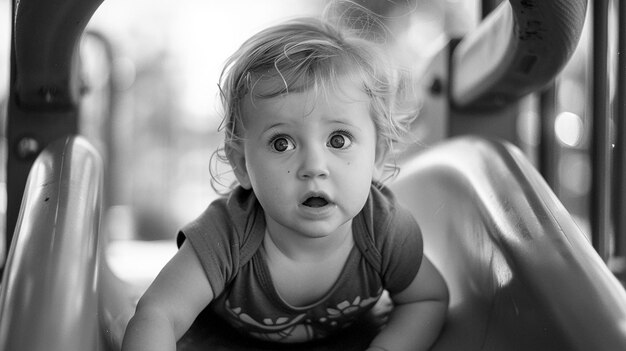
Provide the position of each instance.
(331, 121)
(339, 121)
(272, 126)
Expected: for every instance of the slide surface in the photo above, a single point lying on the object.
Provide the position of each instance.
(522, 276)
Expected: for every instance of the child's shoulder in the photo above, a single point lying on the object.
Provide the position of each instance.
(382, 203)
(384, 218)
(231, 217)
(390, 238)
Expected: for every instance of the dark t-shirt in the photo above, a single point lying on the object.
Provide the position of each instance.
(228, 237)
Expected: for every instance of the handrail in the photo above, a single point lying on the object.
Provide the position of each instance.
(619, 158)
(46, 36)
(45, 85)
(518, 48)
(522, 275)
(50, 295)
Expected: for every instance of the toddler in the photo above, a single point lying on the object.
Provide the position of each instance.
(308, 240)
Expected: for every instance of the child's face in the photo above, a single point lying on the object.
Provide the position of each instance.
(310, 160)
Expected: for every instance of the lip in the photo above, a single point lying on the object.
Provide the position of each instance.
(319, 194)
(316, 212)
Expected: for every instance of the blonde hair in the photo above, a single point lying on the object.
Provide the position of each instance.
(310, 53)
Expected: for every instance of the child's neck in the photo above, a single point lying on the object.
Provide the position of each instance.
(301, 248)
(304, 269)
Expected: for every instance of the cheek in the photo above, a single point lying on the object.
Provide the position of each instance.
(267, 178)
(360, 169)
(370, 156)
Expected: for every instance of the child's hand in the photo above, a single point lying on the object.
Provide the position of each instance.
(165, 311)
(418, 313)
(379, 314)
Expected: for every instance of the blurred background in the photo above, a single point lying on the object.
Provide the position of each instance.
(150, 72)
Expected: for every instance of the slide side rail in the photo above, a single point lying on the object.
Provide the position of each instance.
(521, 273)
(56, 293)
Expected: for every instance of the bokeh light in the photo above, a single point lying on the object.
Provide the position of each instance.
(569, 127)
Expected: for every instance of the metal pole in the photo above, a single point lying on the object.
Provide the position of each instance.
(548, 145)
(619, 164)
(600, 148)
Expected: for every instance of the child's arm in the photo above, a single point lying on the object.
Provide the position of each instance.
(170, 305)
(418, 315)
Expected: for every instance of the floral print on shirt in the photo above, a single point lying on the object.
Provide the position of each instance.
(307, 325)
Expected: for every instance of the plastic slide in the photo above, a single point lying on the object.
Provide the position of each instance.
(522, 275)
(57, 292)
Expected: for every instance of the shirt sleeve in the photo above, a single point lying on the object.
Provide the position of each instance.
(401, 251)
(398, 240)
(216, 243)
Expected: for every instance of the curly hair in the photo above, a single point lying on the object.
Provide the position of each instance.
(312, 54)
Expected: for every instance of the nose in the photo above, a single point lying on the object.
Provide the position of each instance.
(313, 164)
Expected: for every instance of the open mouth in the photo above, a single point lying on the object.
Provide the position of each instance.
(315, 202)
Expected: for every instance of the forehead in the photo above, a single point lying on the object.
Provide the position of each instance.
(342, 98)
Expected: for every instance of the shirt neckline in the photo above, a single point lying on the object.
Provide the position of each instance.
(265, 278)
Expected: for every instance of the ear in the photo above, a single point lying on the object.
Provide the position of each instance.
(237, 159)
(379, 161)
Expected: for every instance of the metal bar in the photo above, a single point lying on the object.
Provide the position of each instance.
(600, 149)
(43, 105)
(619, 164)
(517, 50)
(548, 145)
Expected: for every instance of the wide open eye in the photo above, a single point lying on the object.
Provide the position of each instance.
(282, 144)
(339, 140)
